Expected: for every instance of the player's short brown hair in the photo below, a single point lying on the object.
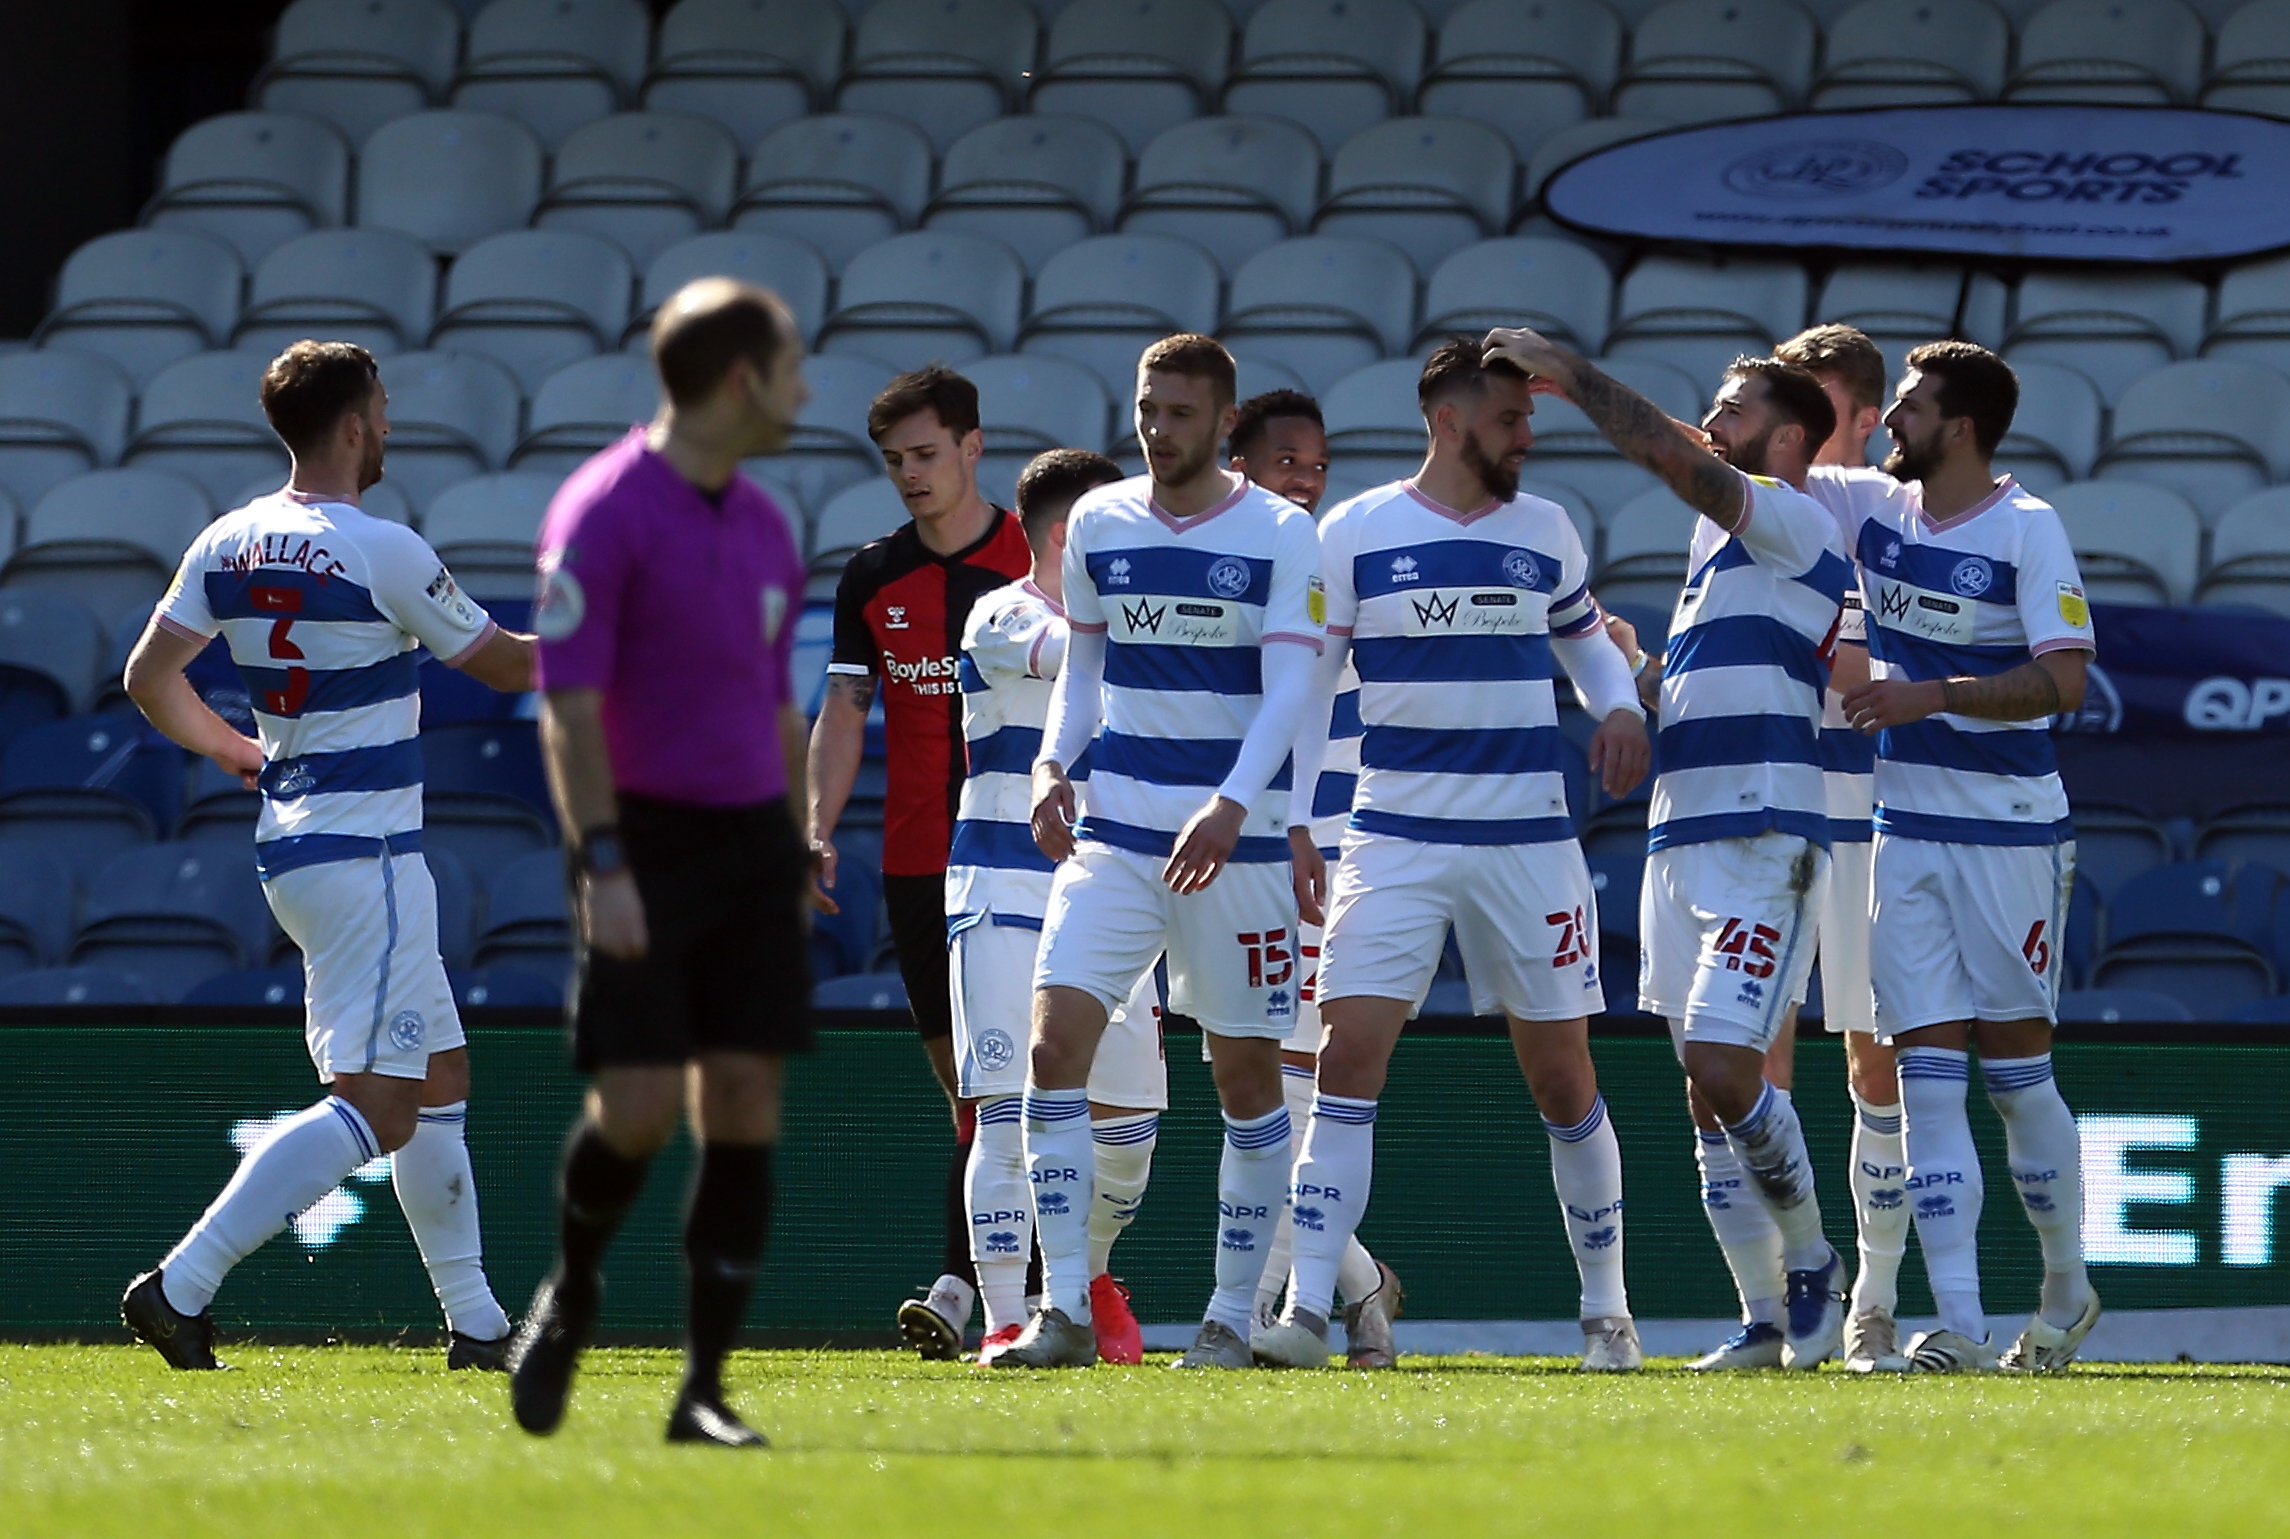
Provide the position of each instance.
(936, 389)
(1054, 480)
(1258, 411)
(1795, 396)
(312, 386)
(1460, 366)
(1841, 352)
(1974, 383)
(707, 326)
(1196, 357)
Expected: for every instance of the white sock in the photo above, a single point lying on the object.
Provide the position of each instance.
(1586, 1168)
(1770, 1144)
(2046, 1155)
(1944, 1184)
(438, 1194)
(1296, 1092)
(1745, 1231)
(1880, 1204)
(1061, 1163)
(1124, 1164)
(1357, 1274)
(304, 1158)
(1328, 1197)
(1001, 1210)
(1252, 1180)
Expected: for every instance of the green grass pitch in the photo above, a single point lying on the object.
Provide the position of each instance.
(345, 1442)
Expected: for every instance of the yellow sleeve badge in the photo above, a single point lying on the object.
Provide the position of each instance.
(2072, 607)
(1316, 601)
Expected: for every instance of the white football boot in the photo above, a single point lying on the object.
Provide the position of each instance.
(1755, 1345)
(1610, 1345)
(2045, 1348)
(1948, 1352)
(1872, 1342)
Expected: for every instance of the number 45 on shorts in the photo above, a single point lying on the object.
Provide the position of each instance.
(1746, 948)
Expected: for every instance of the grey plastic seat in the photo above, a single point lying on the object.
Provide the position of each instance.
(110, 538)
(1900, 305)
(585, 406)
(376, 288)
(944, 65)
(56, 636)
(866, 510)
(1140, 67)
(2113, 327)
(2214, 430)
(2254, 309)
(357, 64)
(930, 295)
(452, 416)
(1036, 183)
(1701, 315)
(830, 448)
(144, 298)
(841, 182)
(485, 529)
(1912, 53)
(1323, 305)
(535, 300)
(36, 903)
(1104, 301)
(76, 986)
(1646, 541)
(1375, 427)
(1231, 185)
(642, 180)
(202, 419)
(2054, 437)
(62, 414)
(1570, 449)
(174, 915)
(1028, 404)
(1526, 68)
(2106, 52)
(1429, 186)
(554, 64)
(449, 179)
(2135, 544)
(1334, 67)
(1695, 61)
(2250, 60)
(788, 267)
(2250, 554)
(1560, 289)
(254, 179)
(750, 65)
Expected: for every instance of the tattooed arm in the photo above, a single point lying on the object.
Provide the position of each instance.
(1646, 435)
(838, 738)
(2043, 687)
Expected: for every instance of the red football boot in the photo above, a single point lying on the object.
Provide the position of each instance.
(1119, 1338)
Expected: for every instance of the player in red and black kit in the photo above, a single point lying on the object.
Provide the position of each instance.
(899, 612)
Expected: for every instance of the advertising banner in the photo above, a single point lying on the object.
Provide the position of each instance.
(2174, 672)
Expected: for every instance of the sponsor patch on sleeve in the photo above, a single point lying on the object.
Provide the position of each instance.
(1316, 601)
(2072, 607)
(446, 594)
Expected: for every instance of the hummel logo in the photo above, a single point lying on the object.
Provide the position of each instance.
(1431, 611)
(1143, 616)
(1403, 569)
(1117, 570)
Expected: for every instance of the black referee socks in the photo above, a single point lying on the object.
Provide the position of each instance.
(725, 1227)
(600, 1185)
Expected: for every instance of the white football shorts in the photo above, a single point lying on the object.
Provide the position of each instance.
(1848, 1002)
(1968, 931)
(1728, 929)
(1231, 948)
(1525, 918)
(992, 967)
(373, 984)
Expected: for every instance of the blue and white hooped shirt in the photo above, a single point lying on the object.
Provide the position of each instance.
(1848, 758)
(1340, 770)
(1013, 645)
(1451, 616)
(324, 608)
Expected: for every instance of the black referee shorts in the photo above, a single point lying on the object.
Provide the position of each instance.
(917, 909)
(729, 967)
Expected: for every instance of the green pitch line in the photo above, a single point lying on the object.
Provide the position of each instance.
(343, 1443)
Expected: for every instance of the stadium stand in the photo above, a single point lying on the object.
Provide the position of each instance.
(1038, 184)
(1137, 68)
(376, 288)
(452, 416)
(841, 182)
(254, 179)
(553, 64)
(946, 65)
(62, 414)
(750, 65)
(644, 180)
(449, 179)
(358, 64)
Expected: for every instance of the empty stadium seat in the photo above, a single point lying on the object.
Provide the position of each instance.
(1559, 288)
(1140, 67)
(2250, 60)
(449, 179)
(944, 65)
(861, 991)
(2197, 931)
(110, 538)
(2104, 52)
(642, 180)
(2112, 327)
(1231, 185)
(1695, 61)
(51, 655)
(750, 65)
(2115, 844)
(1322, 305)
(1429, 186)
(376, 288)
(62, 414)
(36, 902)
(2108, 1007)
(2214, 430)
(2085, 915)
(788, 267)
(830, 448)
(2054, 437)
(528, 921)
(2135, 544)
(1906, 53)
(174, 915)
(1646, 543)
(1570, 449)
(202, 419)
(217, 808)
(1525, 68)
(866, 510)
(841, 182)
(585, 406)
(1901, 305)
(1375, 428)
(357, 64)
(929, 295)
(485, 528)
(250, 987)
(253, 179)
(452, 416)
(535, 300)
(1333, 67)
(506, 988)
(2252, 834)
(1028, 404)
(1036, 183)
(75, 986)
(553, 64)
(2250, 554)
(1701, 315)
(144, 298)
(2254, 303)
(1103, 301)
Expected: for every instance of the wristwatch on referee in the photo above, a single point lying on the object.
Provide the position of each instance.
(599, 852)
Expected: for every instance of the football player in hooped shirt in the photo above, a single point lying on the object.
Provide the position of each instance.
(1195, 625)
(1738, 831)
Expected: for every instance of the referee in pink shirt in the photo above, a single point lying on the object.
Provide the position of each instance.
(669, 592)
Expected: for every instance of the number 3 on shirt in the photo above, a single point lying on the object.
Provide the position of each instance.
(285, 603)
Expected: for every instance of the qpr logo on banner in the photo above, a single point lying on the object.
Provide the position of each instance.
(1820, 168)
(1972, 577)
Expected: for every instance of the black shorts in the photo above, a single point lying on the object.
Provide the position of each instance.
(917, 907)
(729, 966)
